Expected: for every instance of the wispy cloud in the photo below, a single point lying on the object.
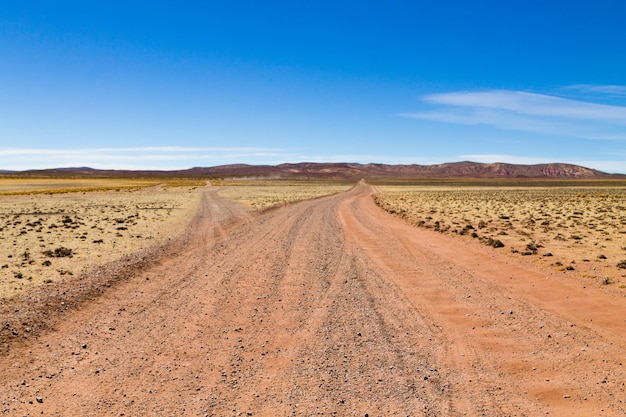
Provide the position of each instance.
(178, 157)
(529, 112)
(603, 90)
(163, 157)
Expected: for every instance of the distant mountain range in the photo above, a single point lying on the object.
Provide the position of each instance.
(306, 170)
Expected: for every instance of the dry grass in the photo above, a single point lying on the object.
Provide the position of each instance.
(27, 186)
(52, 236)
(577, 230)
(259, 195)
(52, 229)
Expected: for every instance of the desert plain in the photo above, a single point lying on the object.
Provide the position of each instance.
(312, 298)
(578, 230)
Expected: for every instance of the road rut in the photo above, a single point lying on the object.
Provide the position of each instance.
(326, 307)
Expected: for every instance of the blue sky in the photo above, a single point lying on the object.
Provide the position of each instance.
(169, 85)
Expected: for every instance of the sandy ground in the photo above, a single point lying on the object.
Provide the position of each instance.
(578, 231)
(323, 307)
(94, 228)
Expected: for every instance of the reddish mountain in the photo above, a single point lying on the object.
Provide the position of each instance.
(306, 170)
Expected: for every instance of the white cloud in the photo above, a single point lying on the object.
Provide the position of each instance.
(165, 157)
(172, 158)
(520, 102)
(529, 112)
(605, 90)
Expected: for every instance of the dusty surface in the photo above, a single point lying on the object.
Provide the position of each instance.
(48, 238)
(579, 231)
(326, 307)
(260, 195)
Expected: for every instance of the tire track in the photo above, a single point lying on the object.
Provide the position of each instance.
(323, 307)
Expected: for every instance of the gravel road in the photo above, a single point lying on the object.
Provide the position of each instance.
(326, 307)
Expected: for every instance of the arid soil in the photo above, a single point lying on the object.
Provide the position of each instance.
(579, 231)
(260, 195)
(325, 307)
(48, 238)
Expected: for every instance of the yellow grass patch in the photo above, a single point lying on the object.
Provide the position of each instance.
(25, 186)
(258, 195)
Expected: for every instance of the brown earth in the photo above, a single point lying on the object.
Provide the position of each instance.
(308, 170)
(325, 307)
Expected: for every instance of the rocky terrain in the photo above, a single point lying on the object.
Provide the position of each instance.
(355, 171)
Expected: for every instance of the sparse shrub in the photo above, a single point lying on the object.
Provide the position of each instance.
(532, 248)
(606, 281)
(60, 252)
(622, 264)
(466, 229)
(494, 243)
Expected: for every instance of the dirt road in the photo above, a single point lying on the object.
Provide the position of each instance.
(327, 307)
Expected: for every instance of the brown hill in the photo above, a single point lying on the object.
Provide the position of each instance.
(307, 170)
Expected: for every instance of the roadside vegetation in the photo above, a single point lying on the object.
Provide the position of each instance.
(28, 186)
(48, 233)
(263, 194)
(571, 229)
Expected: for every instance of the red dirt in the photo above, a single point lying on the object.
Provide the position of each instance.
(326, 307)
